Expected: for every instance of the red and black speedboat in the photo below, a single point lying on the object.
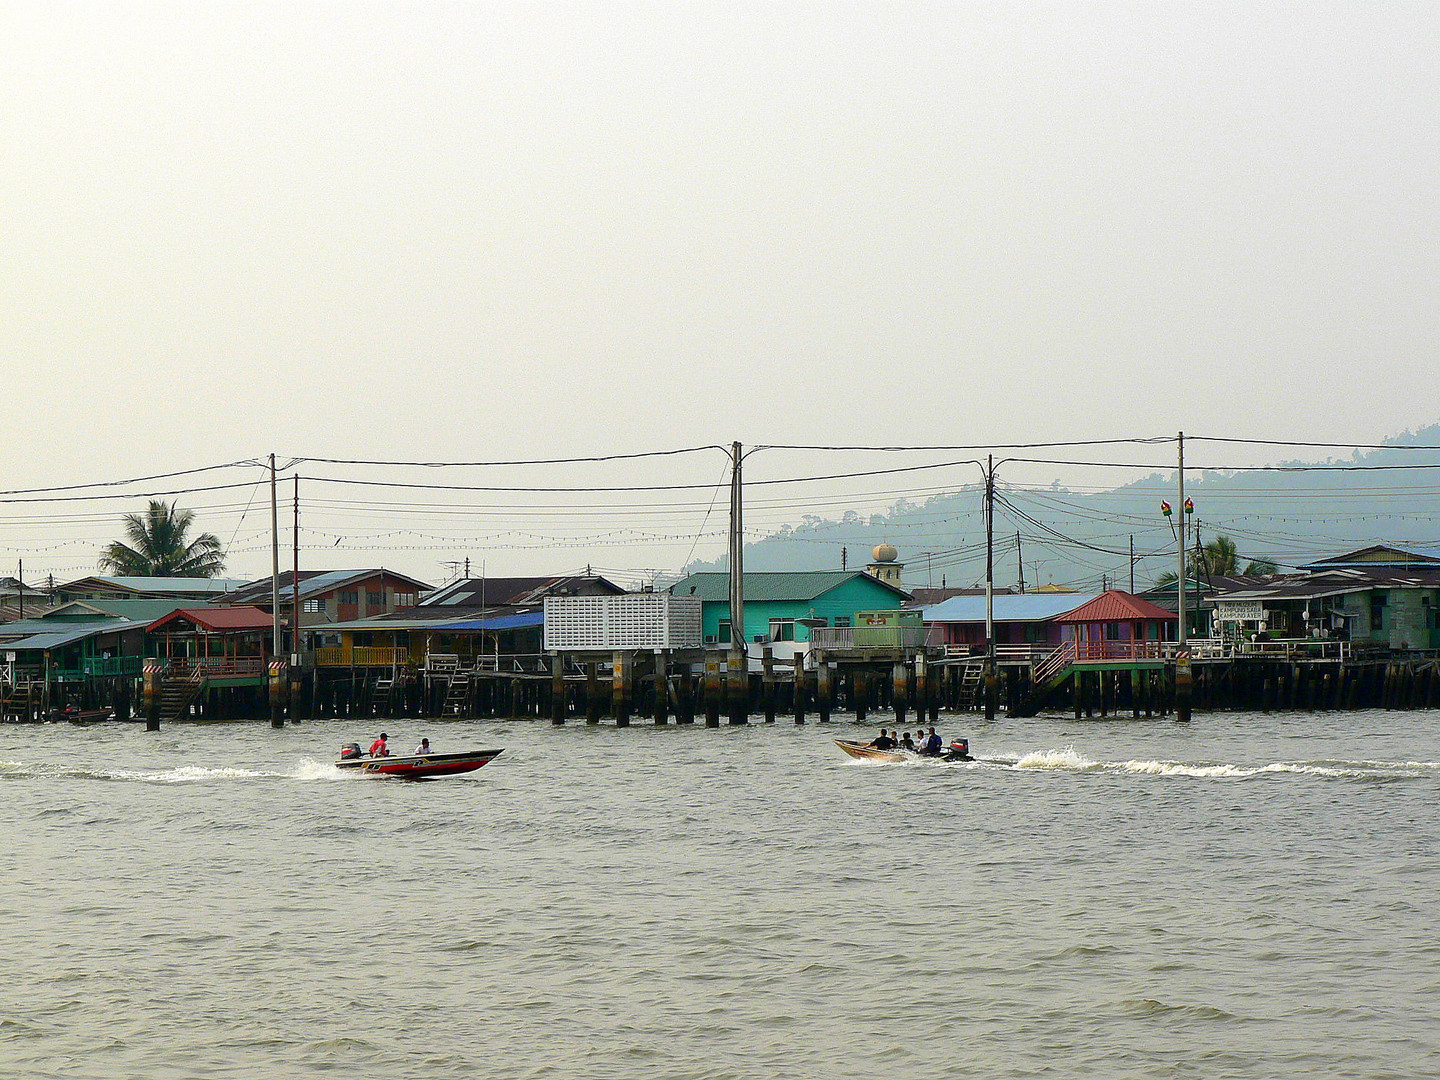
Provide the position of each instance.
(414, 766)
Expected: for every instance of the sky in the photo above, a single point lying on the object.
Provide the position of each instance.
(493, 232)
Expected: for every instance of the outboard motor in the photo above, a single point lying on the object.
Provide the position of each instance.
(958, 750)
(350, 751)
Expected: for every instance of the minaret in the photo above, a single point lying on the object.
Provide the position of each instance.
(885, 567)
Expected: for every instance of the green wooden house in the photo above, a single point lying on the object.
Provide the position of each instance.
(786, 605)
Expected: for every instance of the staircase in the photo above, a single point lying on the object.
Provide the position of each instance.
(457, 693)
(972, 676)
(178, 693)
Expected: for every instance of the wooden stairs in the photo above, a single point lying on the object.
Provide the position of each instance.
(178, 693)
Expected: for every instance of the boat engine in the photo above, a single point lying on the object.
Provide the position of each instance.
(350, 751)
(958, 750)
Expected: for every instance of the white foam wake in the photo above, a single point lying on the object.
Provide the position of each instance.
(1068, 759)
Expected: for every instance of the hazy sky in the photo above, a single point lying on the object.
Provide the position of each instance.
(470, 231)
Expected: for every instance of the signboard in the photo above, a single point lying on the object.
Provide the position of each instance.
(1239, 611)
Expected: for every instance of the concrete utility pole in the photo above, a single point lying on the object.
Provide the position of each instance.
(1182, 655)
(737, 665)
(990, 588)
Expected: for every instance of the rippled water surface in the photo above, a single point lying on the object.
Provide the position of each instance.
(1245, 896)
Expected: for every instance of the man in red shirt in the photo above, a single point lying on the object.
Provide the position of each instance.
(379, 748)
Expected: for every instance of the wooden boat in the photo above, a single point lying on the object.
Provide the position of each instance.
(869, 753)
(83, 716)
(418, 767)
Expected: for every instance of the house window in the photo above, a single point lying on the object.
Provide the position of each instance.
(312, 606)
(349, 596)
(404, 599)
(1377, 611)
(724, 632)
(374, 598)
(842, 620)
(782, 629)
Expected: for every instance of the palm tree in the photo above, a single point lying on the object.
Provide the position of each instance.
(1216, 559)
(157, 546)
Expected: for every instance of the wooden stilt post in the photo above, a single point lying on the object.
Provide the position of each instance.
(620, 682)
(557, 688)
(767, 685)
(662, 687)
(822, 687)
(712, 689)
(900, 678)
(859, 682)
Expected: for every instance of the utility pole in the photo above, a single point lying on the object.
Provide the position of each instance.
(738, 666)
(295, 571)
(1020, 562)
(21, 579)
(990, 588)
(1182, 655)
(275, 719)
(294, 681)
(1132, 563)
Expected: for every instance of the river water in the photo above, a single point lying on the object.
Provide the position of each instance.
(1245, 896)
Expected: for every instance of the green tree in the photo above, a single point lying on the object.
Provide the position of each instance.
(1216, 559)
(157, 546)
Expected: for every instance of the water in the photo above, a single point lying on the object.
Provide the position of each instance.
(1246, 896)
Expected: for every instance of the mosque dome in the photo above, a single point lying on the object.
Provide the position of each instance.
(885, 553)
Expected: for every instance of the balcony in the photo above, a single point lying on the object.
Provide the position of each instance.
(361, 656)
(860, 638)
(218, 667)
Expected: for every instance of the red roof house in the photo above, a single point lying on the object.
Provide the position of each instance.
(1118, 616)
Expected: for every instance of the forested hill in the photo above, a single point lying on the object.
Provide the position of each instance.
(1082, 538)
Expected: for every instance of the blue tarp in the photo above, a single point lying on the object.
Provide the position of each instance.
(500, 622)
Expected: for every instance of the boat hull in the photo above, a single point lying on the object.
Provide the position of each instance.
(869, 753)
(420, 767)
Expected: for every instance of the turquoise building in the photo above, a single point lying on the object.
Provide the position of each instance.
(785, 606)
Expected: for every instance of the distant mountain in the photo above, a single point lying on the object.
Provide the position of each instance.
(1290, 514)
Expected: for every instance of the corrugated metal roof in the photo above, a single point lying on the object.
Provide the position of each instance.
(193, 586)
(145, 611)
(55, 639)
(476, 592)
(502, 622)
(312, 583)
(1382, 555)
(1116, 606)
(441, 620)
(1009, 607)
(761, 585)
(220, 618)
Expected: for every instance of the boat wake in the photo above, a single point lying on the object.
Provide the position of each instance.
(1071, 760)
(182, 774)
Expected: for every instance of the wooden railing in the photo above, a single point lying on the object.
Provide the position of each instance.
(844, 638)
(361, 656)
(217, 667)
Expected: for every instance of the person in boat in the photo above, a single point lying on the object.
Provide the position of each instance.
(931, 746)
(906, 742)
(380, 748)
(883, 741)
(423, 748)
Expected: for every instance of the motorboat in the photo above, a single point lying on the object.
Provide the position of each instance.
(869, 753)
(958, 750)
(414, 766)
